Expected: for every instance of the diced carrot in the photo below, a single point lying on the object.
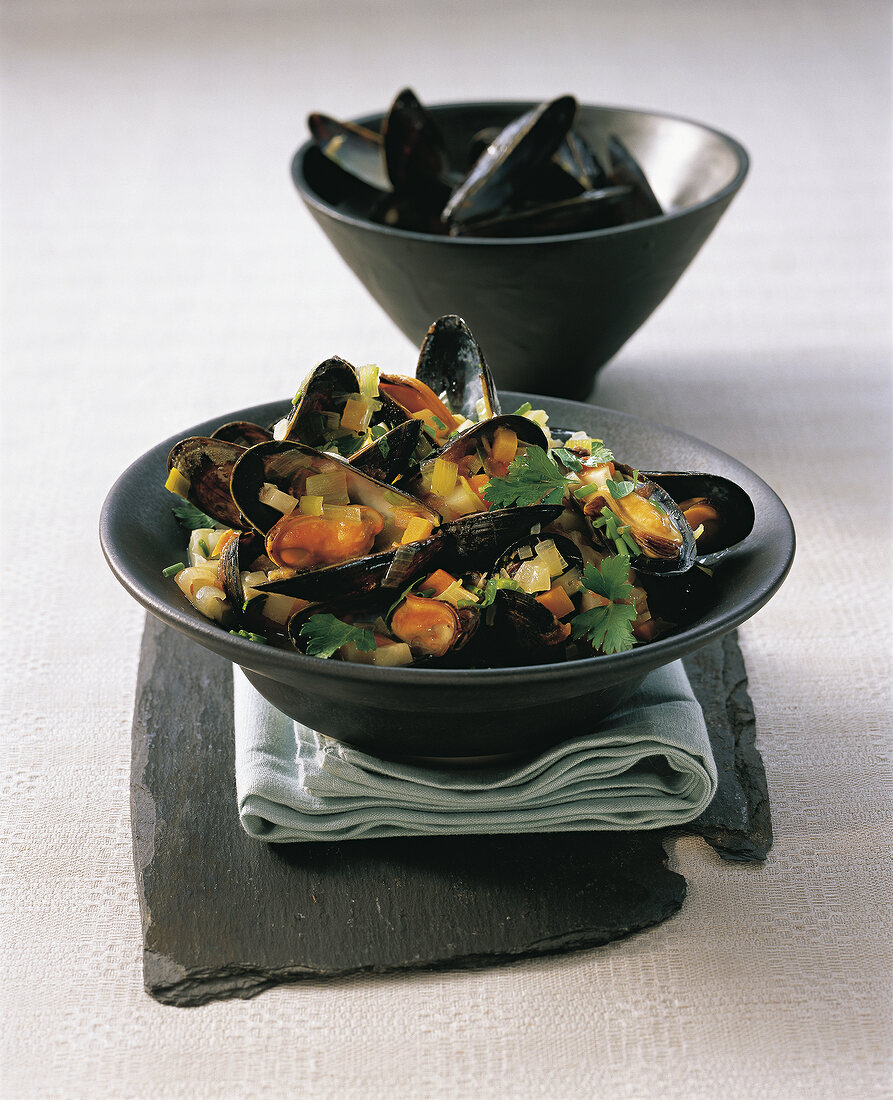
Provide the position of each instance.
(439, 581)
(478, 483)
(417, 529)
(557, 601)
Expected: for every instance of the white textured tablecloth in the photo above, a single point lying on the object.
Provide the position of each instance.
(158, 269)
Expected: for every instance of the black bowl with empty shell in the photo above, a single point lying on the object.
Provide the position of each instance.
(454, 712)
(553, 303)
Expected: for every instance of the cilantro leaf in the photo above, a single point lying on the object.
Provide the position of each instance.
(191, 518)
(532, 478)
(326, 634)
(619, 489)
(568, 458)
(599, 454)
(610, 579)
(608, 628)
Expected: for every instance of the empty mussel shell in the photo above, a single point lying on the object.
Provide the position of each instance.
(505, 166)
(355, 149)
(599, 209)
(452, 364)
(323, 395)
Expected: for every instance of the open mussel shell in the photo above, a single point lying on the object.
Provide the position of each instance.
(504, 168)
(207, 464)
(243, 432)
(732, 505)
(597, 209)
(392, 455)
(287, 464)
(353, 148)
(415, 152)
(666, 556)
(452, 364)
(391, 569)
(474, 542)
(625, 170)
(467, 442)
(323, 393)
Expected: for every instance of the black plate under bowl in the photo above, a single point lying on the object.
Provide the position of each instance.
(450, 712)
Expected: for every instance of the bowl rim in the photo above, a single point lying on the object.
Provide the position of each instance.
(288, 665)
(314, 200)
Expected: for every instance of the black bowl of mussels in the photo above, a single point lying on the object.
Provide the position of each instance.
(424, 565)
(555, 229)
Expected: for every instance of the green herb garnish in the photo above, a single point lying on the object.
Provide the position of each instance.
(619, 488)
(568, 459)
(191, 518)
(599, 454)
(250, 636)
(493, 585)
(532, 478)
(522, 410)
(608, 628)
(326, 634)
(172, 569)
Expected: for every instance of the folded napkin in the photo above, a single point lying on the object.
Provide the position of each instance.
(649, 765)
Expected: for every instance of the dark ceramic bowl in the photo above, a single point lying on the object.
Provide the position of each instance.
(449, 712)
(549, 311)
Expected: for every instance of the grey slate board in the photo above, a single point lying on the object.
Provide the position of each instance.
(227, 916)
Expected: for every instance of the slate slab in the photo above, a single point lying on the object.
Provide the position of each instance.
(226, 916)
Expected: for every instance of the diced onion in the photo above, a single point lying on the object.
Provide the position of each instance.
(343, 513)
(311, 505)
(533, 576)
(275, 498)
(367, 376)
(331, 486)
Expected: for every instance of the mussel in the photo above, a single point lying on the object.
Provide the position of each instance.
(719, 510)
(205, 465)
(451, 363)
(537, 175)
(550, 566)
(644, 517)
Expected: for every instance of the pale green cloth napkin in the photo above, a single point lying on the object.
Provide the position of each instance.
(648, 766)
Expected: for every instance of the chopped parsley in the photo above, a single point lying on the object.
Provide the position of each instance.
(608, 628)
(190, 518)
(532, 478)
(326, 634)
(599, 454)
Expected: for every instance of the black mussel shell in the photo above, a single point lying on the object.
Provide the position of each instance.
(415, 153)
(678, 599)
(242, 432)
(451, 363)
(286, 464)
(353, 148)
(392, 455)
(590, 210)
(735, 508)
(505, 167)
(474, 542)
(208, 464)
(325, 390)
(390, 569)
(528, 624)
(578, 160)
(625, 171)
